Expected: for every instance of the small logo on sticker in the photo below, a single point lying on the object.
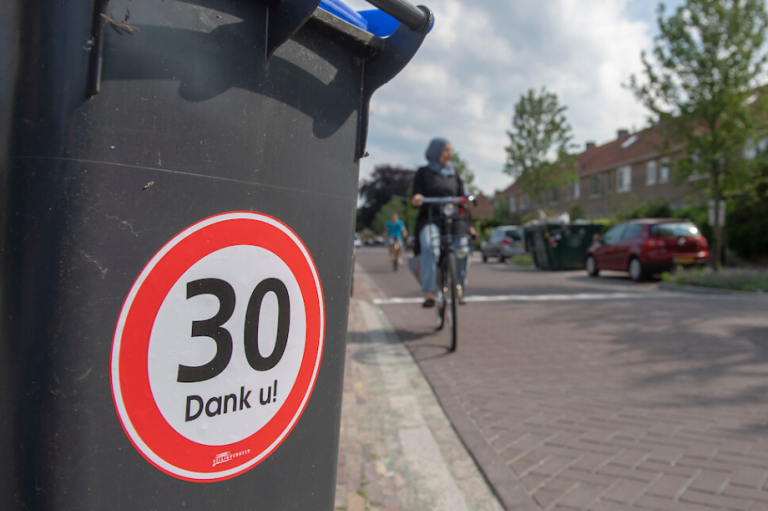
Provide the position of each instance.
(228, 456)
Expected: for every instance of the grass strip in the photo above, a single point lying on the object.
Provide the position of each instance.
(521, 260)
(733, 279)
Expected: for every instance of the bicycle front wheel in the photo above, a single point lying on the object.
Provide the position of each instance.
(442, 294)
(451, 291)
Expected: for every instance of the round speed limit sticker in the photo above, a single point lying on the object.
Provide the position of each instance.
(218, 346)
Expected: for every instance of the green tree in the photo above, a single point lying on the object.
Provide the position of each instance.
(699, 85)
(501, 214)
(378, 189)
(538, 154)
(576, 212)
(466, 174)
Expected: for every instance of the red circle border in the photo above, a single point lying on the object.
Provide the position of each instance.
(140, 418)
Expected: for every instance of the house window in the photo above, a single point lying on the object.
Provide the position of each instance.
(750, 150)
(524, 202)
(574, 191)
(695, 174)
(664, 171)
(624, 179)
(695, 171)
(596, 186)
(554, 196)
(754, 150)
(762, 146)
(650, 173)
(512, 204)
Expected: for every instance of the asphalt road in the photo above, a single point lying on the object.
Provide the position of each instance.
(580, 393)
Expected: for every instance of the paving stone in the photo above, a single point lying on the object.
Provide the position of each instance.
(355, 502)
(591, 461)
(710, 482)
(630, 457)
(544, 498)
(750, 477)
(649, 502)
(745, 493)
(582, 496)
(716, 501)
(626, 492)
(667, 486)
(617, 472)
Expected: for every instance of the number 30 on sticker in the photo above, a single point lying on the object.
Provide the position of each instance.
(218, 345)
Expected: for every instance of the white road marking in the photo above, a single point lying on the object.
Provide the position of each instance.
(549, 297)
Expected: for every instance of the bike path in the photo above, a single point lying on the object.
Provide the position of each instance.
(618, 404)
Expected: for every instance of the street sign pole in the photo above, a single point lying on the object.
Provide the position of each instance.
(716, 219)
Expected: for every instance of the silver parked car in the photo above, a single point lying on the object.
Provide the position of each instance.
(503, 242)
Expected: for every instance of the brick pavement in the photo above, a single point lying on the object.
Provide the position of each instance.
(398, 452)
(659, 405)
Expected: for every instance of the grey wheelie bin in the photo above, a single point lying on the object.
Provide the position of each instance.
(179, 183)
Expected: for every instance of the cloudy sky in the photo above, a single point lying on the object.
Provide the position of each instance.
(483, 54)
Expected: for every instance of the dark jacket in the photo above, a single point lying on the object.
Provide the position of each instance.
(431, 184)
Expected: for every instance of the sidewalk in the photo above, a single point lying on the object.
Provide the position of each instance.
(398, 452)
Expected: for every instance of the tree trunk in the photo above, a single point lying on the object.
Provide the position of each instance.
(717, 231)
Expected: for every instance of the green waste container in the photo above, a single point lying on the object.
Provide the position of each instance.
(560, 246)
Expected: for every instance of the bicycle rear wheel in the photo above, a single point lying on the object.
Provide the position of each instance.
(451, 279)
(396, 259)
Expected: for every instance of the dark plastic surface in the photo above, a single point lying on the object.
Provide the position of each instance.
(570, 250)
(188, 122)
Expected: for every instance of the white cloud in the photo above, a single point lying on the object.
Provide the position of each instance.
(483, 54)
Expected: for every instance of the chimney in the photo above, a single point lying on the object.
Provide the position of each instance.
(590, 146)
(622, 134)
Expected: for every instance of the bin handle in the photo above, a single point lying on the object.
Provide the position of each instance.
(404, 12)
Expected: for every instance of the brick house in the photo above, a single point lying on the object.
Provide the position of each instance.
(482, 207)
(625, 172)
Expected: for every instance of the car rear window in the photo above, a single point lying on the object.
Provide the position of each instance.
(515, 235)
(674, 230)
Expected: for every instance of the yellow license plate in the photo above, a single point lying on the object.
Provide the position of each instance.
(685, 260)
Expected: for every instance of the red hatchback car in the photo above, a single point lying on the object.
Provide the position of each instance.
(647, 247)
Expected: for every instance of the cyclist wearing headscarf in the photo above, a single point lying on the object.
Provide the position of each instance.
(438, 178)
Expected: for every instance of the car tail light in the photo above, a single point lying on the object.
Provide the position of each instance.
(506, 241)
(651, 243)
(701, 241)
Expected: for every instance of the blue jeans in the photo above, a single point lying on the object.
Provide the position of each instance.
(429, 239)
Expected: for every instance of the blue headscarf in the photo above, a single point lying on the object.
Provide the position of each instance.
(434, 151)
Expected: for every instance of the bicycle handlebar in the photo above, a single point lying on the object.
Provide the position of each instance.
(448, 200)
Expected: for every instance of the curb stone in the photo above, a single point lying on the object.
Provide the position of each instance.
(398, 451)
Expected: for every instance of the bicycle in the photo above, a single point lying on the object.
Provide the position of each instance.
(451, 212)
(395, 254)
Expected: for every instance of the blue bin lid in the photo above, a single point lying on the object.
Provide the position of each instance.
(375, 21)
